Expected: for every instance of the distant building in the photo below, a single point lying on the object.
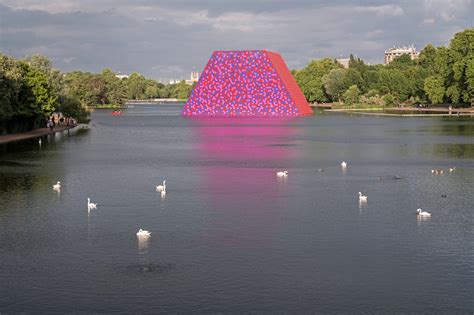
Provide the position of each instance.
(395, 52)
(344, 62)
(121, 76)
(194, 78)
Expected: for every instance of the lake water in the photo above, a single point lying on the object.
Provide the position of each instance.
(230, 236)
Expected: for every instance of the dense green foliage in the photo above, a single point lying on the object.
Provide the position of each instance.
(439, 75)
(310, 79)
(31, 90)
(27, 93)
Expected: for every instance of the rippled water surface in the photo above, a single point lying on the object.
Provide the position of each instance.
(229, 236)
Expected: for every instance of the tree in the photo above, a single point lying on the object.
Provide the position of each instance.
(351, 96)
(77, 85)
(434, 88)
(151, 91)
(41, 100)
(310, 79)
(463, 42)
(136, 85)
(394, 81)
(453, 93)
(98, 89)
(462, 56)
(6, 104)
(402, 61)
(41, 63)
(427, 57)
(388, 99)
(115, 89)
(372, 93)
(183, 90)
(356, 64)
(334, 83)
(337, 81)
(468, 94)
(71, 107)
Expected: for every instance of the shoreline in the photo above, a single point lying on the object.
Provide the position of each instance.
(408, 109)
(405, 112)
(33, 134)
(330, 106)
(468, 114)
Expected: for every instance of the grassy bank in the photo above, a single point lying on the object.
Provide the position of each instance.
(364, 106)
(98, 106)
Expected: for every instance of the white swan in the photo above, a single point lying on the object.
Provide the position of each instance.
(452, 169)
(39, 141)
(143, 233)
(161, 188)
(362, 198)
(422, 213)
(91, 205)
(282, 173)
(57, 186)
(344, 164)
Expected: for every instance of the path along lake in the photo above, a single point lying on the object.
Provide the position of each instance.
(230, 236)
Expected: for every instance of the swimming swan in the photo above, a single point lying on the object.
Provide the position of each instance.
(57, 186)
(422, 213)
(362, 198)
(282, 173)
(161, 188)
(344, 164)
(143, 233)
(91, 205)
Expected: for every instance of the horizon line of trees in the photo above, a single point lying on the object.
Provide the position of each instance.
(31, 90)
(440, 75)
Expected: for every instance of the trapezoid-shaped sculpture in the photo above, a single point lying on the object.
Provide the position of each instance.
(246, 83)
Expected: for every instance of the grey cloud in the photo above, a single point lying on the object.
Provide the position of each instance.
(165, 39)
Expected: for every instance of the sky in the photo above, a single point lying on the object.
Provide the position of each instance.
(168, 39)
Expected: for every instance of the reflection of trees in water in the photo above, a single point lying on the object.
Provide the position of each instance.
(20, 161)
(15, 189)
(460, 150)
(17, 182)
(461, 127)
(81, 132)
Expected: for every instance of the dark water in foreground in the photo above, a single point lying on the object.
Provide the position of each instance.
(229, 236)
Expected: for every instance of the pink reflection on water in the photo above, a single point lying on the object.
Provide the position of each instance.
(241, 158)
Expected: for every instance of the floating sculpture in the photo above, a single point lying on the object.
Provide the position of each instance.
(246, 83)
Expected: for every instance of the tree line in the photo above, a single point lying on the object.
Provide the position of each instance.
(441, 75)
(107, 89)
(31, 90)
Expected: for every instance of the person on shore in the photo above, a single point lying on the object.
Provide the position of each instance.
(54, 123)
(50, 124)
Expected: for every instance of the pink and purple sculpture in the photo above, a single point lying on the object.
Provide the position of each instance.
(246, 83)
